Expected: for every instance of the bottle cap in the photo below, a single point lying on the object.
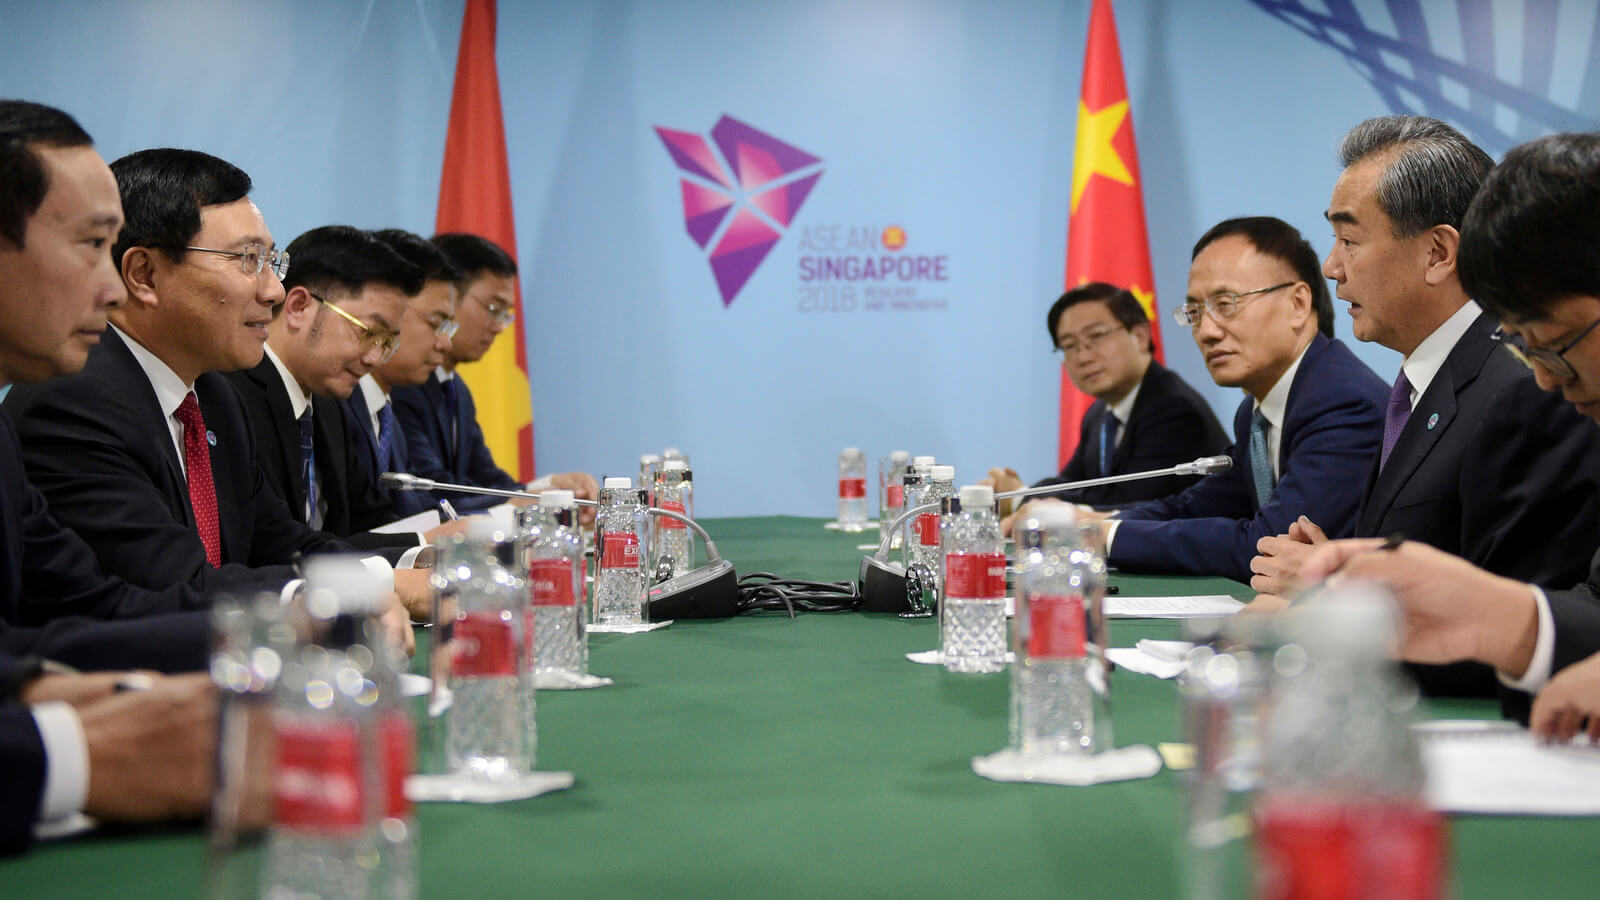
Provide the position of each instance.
(649, 458)
(552, 498)
(900, 456)
(1051, 516)
(618, 481)
(943, 473)
(671, 452)
(484, 528)
(974, 496)
(342, 583)
(853, 451)
(922, 461)
(1355, 619)
(674, 465)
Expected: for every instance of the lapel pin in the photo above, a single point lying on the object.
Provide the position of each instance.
(211, 436)
(1432, 421)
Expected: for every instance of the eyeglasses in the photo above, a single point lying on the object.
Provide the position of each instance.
(1222, 306)
(501, 313)
(444, 326)
(1554, 361)
(254, 257)
(381, 338)
(1067, 349)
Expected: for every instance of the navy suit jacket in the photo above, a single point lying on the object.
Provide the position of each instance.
(1494, 470)
(344, 476)
(426, 421)
(401, 503)
(97, 445)
(1332, 429)
(22, 788)
(1170, 424)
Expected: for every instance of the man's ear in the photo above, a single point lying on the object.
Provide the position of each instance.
(1443, 242)
(1301, 304)
(1141, 336)
(299, 309)
(140, 272)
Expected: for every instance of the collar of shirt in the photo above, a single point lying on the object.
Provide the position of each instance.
(373, 396)
(4, 390)
(443, 374)
(1425, 362)
(1123, 408)
(298, 400)
(1274, 407)
(170, 389)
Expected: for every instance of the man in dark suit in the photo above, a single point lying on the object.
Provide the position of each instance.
(1144, 416)
(1303, 439)
(439, 416)
(147, 452)
(1477, 461)
(341, 315)
(1528, 255)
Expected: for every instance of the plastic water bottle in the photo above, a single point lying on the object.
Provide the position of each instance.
(649, 465)
(491, 733)
(973, 608)
(674, 546)
(553, 555)
(1340, 813)
(852, 489)
(922, 543)
(619, 583)
(342, 825)
(891, 489)
(1060, 697)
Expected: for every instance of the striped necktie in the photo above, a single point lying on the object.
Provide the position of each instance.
(308, 469)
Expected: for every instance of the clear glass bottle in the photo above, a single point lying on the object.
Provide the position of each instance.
(674, 545)
(922, 543)
(972, 596)
(891, 488)
(619, 584)
(852, 489)
(552, 553)
(649, 465)
(1060, 693)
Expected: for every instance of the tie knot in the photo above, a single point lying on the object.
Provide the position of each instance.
(1401, 395)
(189, 412)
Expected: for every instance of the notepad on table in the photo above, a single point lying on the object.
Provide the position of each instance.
(1500, 768)
(1119, 607)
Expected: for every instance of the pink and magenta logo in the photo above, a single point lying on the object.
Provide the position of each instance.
(741, 215)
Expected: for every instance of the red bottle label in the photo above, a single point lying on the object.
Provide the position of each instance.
(976, 576)
(1348, 850)
(317, 783)
(1056, 627)
(483, 646)
(928, 529)
(852, 488)
(397, 743)
(550, 583)
(897, 496)
(672, 506)
(621, 551)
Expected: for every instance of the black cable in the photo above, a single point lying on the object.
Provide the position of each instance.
(766, 592)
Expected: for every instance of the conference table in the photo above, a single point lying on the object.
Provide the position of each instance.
(807, 757)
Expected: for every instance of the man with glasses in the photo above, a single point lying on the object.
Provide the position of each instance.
(1528, 254)
(1476, 460)
(1259, 312)
(1144, 416)
(438, 416)
(147, 453)
(344, 302)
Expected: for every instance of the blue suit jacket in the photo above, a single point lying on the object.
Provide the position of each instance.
(404, 503)
(22, 755)
(426, 422)
(1332, 430)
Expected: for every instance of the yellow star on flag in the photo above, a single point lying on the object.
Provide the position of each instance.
(1095, 155)
(1147, 299)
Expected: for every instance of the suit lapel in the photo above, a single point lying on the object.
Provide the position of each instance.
(331, 450)
(146, 418)
(285, 430)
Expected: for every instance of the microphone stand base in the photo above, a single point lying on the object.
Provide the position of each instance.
(709, 592)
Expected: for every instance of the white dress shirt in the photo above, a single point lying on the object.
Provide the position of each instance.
(1428, 358)
(170, 390)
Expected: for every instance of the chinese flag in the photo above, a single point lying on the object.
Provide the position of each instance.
(475, 196)
(1106, 239)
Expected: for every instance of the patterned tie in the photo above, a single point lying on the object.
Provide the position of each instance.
(1260, 461)
(308, 469)
(452, 411)
(1108, 441)
(386, 427)
(1399, 413)
(197, 466)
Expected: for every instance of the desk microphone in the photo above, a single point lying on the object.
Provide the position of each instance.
(709, 592)
(887, 587)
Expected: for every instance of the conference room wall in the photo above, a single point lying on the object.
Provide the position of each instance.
(951, 120)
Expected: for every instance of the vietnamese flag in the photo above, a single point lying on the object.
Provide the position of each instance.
(475, 197)
(1106, 238)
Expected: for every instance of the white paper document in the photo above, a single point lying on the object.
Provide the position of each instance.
(1118, 607)
(1500, 768)
(426, 520)
(1163, 659)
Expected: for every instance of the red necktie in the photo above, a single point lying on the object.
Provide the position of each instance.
(202, 491)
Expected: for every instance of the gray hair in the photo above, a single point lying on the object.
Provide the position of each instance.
(1435, 173)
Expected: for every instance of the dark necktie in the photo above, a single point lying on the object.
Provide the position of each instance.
(1395, 421)
(452, 412)
(1108, 441)
(386, 427)
(197, 468)
(308, 469)
(1260, 459)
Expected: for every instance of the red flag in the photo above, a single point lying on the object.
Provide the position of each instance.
(1106, 238)
(475, 196)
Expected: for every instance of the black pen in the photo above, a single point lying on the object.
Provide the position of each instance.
(449, 511)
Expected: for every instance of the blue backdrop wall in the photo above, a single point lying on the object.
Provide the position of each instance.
(950, 121)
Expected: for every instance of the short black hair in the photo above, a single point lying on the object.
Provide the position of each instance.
(1124, 306)
(420, 252)
(25, 125)
(347, 258)
(473, 255)
(163, 192)
(1280, 240)
(1532, 235)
